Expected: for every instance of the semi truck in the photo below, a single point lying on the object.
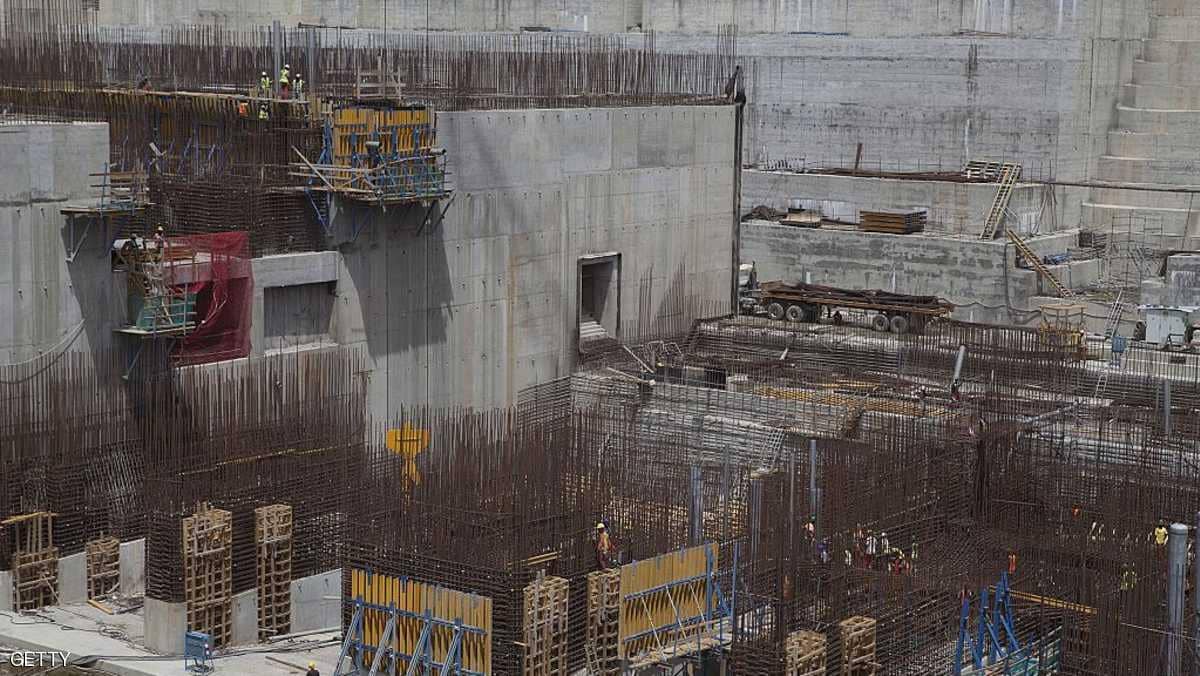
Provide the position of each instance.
(801, 302)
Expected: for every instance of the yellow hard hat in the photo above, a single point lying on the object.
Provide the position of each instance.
(600, 526)
(312, 665)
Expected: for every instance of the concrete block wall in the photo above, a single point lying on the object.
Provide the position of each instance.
(485, 304)
(978, 276)
(474, 15)
(953, 208)
(47, 303)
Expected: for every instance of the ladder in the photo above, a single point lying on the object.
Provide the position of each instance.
(1110, 329)
(1032, 258)
(1009, 173)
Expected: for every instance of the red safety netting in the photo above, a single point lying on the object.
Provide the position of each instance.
(223, 282)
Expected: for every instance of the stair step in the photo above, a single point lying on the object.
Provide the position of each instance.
(1145, 198)
(1144, 120)
(1163, 73)
(1148, 170)
(1175, 27)
(1122, 143)
(1176, 8)
(1172, 51)
(591, 329)
(1161, 97)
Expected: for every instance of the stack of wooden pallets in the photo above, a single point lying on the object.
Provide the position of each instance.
(805, 652)
(858, 646)
(273, 538)
(893, 221)
(604, 606)
(208, 572)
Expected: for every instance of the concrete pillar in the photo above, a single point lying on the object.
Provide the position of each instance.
(1177, 538)
(72, 579)
(317, 601)
(166, 623)
(131, 561)
(6, 591)
(245, 617)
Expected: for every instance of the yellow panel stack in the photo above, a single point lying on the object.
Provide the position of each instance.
(806, 651)
(354, 126)
(660, 601)
(546, 606)
(858, 646)
(419, 598)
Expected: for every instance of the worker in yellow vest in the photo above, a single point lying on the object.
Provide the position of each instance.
(285, 81)
(264, 85)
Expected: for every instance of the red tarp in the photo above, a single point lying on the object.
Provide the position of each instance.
(224, 297)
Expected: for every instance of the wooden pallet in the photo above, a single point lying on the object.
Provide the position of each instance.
(604, 606)
(34, 560)
(858, 646)
(273, 541)
(545, 627)
(805, 653)
(892, 221)
(103, 566)
(208, 572)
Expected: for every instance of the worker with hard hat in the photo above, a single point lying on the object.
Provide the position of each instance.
(285, 81)
(312, 670)
(298, 86)
(264, 85)
(604, 547)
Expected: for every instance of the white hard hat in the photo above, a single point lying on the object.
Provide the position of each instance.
(287, 65)
(600, 526)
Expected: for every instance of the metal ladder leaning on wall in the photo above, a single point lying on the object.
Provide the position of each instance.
(1028, 254)
(1009, 173)
(1110, 330)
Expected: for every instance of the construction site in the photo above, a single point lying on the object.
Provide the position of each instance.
(569, 337)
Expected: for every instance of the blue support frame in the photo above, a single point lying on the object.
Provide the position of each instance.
(421, 661)
(995, 638)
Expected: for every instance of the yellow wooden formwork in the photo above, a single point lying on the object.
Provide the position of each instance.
(649, 622)
(354, 126)
(413, 597)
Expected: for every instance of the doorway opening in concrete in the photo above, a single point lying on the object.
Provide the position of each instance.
(599, 296)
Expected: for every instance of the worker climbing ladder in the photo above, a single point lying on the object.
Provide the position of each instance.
(1009, 173)
(1030, 257)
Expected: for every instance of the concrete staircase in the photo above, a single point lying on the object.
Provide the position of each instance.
(1157, 141)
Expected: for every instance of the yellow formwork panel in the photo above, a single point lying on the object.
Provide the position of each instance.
(661, 611)
(354, 126)
(417, 598)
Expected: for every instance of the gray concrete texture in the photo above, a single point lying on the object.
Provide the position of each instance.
(1179, 286)
(952, 208)
(317, 601)
(47, 304)
(6, 591)
(978, 276)
(245, 618)
(166, 624)
(131, 563)
(72, 579)
(474, 15)
(483, 305)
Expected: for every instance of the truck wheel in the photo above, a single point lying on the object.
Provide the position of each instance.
(775, 311)
(899, 324)
(796, 313)
(879, 322)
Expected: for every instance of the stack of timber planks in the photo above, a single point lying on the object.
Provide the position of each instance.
(893, 221)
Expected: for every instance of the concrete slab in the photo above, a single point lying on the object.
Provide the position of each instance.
(310, 267)
(6, 591)
(132, 563)
(316, 601)
(72, 579)
(78, 630)
(245, 617)
(166, 623)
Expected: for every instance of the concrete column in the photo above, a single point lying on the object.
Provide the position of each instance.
(131, 562)
(245, 617)
(72, 579)
(166, 623)
(1177, 538)
(316, 601)
(6, 591)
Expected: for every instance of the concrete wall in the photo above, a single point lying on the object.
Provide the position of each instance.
(132, 565)
(485, 304)
(978, 276)
(72, 579)
(46, 303)
(316, 601)
(953, 208)
(479, 15)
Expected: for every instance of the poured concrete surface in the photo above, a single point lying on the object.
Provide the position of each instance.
(6, 591)
(132, 565)
(166, 624)
(245, 617)
(46, 631)
(72, 579)
(317, 601)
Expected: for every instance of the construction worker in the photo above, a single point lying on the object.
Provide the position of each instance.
(312, 670)
(604, 547)
(883, 542)
(872, 549)
(263, 113)
(1119, 343)
(1012, 563)
(243, 109)
(1128, 577)
(912, 558)
(264, 85)
(285, 81)
(298, 86)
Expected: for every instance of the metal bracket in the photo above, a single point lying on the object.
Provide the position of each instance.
(76, 238)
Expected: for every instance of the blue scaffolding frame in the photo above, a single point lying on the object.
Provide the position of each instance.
(386, 658)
